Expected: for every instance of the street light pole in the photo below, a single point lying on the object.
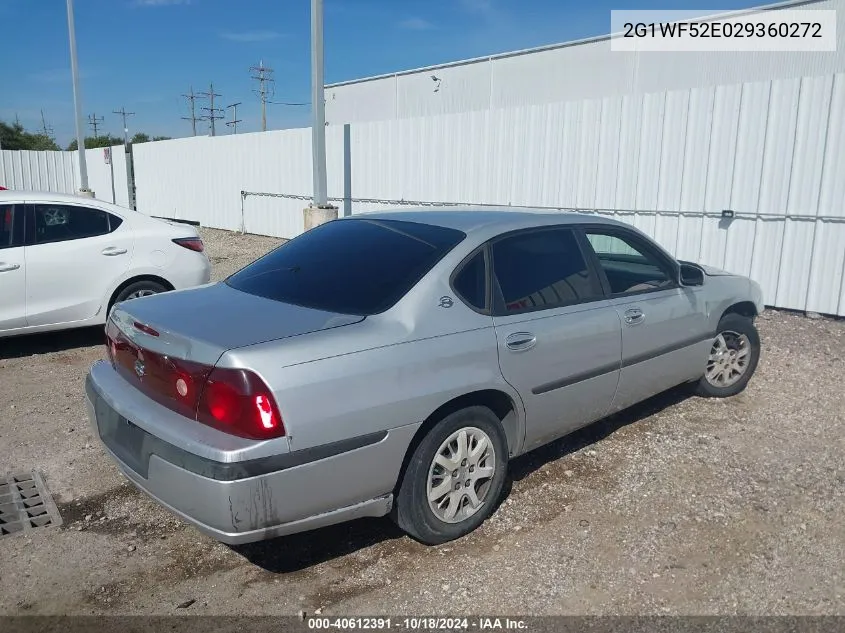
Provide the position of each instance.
(77, 104)
(320, 211)
(318, 105)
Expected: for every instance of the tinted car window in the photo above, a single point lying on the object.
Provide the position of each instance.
(542, 269)
(11, 226)
(628, 266)
(471, 282)
(57, 223)
(353, 266)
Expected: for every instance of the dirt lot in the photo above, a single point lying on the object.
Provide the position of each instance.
(681, 506)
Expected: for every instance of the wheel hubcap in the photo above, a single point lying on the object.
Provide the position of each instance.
(141, 293)
(728, 360)
(460, 474)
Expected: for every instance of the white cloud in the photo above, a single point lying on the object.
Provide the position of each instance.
(416, 24)
(251, 36)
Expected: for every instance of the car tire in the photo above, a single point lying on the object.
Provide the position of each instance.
(725, 374)
(138, 289)
(429, 522)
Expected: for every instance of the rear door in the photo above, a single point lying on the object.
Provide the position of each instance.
(12, 268)
(558, 337)
(74, 255)
(665, 337)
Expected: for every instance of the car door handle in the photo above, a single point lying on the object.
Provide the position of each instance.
(634, 316)
(4, 268)
(520, 341)
(111, 251)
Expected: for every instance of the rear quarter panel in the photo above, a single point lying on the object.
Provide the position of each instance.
(387, 371)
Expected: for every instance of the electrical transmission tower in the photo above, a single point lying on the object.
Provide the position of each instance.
(94, 121)
(266, 88)
(192, 99)
(46, 130)
(235, 120)
(123, 113)
(212, 115)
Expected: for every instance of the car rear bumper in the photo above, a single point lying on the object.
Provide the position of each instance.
(239, 502)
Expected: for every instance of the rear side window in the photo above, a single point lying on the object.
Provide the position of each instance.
(11, 225)
(471, 282)
(353, 266)
(541, 270)
(60, 223)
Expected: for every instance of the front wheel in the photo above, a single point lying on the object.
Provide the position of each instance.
(732, 359)
(454, 477)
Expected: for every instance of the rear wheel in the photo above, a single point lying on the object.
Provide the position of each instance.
(732, 358)
(138, 289)
(454, 478)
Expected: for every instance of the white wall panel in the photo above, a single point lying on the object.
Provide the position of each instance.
(832, 186)
(808, 153)
(751, 138)
(779, 146)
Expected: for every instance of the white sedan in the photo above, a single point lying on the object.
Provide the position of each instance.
(65, 260)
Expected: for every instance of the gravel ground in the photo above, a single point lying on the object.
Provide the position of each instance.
(678, 506)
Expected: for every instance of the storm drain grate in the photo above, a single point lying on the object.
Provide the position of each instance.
(25, 504)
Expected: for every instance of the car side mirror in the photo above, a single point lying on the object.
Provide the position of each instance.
(691, 275)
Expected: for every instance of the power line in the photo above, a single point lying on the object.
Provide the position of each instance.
(192, 98)
(123, 113)
(266, 88)
(212, 115)
(94, 122)
(235, 120)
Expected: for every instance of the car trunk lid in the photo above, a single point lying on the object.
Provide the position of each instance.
(202, 323)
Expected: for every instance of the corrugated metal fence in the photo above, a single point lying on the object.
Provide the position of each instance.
(59, 172)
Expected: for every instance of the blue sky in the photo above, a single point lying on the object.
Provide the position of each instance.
(144, 54)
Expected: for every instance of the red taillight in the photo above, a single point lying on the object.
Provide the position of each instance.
(237, 401)
(191, 243)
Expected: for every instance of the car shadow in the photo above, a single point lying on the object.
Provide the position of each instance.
(61, 341)
(297, 552)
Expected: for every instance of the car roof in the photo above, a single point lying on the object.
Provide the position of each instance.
(48, 196)
(493, 219)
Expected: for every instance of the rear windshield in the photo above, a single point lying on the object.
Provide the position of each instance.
(353, 266)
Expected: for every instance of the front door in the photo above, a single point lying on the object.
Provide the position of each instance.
(665, 337)
(73, 260)
(558, 338)
(12, 268)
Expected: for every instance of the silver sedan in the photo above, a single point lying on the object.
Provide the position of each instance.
(393, 363)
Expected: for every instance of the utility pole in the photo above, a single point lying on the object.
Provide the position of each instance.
(123, 113)
(235, 120)
(94, 122)
(266, 83)
(46, 130)
(212, 115)
(77, 104)
(192, 98)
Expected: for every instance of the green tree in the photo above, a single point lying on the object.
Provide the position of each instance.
(14, 136)
(106, 140)
(140, 137)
